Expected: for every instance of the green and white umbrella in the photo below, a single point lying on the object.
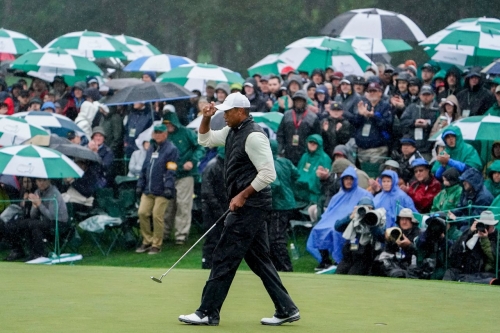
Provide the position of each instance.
(16, 43)
(479, 128)
(37, 162)
(91, 44)
(270, 64)
(51, 62)
(13, 131)
(377, 45)
(465, 45)
(337, 53)
(270, 119)
(139, 47)
(195, 76)
(486, 22)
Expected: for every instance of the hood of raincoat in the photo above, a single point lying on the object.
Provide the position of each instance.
(457, 73)
(452, 176)
(294, 78)
(494, 167)
(172, 118)
(393, 200)
(349, 171)
(454, 100)
(462, 151)
(474, 178)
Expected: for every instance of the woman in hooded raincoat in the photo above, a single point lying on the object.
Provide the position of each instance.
(393, 200)
(308, 186)
(492, 182)
(323, 236)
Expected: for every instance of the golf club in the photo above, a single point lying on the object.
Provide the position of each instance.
(220, 219)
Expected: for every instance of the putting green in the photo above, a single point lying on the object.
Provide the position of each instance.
(111, 299)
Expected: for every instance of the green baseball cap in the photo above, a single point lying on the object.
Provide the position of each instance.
(160, 128)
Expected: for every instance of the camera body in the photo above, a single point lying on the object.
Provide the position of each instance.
(481, 227)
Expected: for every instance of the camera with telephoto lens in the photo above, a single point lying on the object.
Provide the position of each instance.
(362, 210)
(373, 217)
(480, 227)
(436, 226)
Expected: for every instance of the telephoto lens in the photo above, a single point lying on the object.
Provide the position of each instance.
(361, 212)
(396, 233)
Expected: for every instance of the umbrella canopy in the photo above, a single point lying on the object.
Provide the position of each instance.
(493, 68)
(270, 64)
(16, 43)
(377, 46)
(157, 63)
(374, 23)
(149, 92)
(470, 44)
(195, 76)
(117, 84)
(486, 22)
(37, 162)
(64, 146)
(13, 131)
(480, 128)
(91, 44)
(10, 181)
(55, 123)
(139, 47)
(56, 62)
(271, 119)
(310, 53)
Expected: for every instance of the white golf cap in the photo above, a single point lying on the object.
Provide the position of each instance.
(234, 100)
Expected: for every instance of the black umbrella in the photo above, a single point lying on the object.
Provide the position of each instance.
(149, 92)
(77, 151)
(64, 146)
(118, 84)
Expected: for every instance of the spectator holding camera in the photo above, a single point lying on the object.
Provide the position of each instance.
(431, 248)
(473, 256)
(363, 231)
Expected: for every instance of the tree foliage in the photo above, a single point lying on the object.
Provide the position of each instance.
(228, 33)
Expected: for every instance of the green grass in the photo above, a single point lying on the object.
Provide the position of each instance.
(118, 299)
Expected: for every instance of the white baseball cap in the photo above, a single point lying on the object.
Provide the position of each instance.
(234, 100)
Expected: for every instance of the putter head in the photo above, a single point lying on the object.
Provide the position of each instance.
(155, 279)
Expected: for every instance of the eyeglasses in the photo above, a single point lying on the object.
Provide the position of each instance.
(158, 132)
(419, 170)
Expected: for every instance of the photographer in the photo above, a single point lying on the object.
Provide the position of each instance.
(363, 231)
(431, 249)
(400, 250)
(473, 256)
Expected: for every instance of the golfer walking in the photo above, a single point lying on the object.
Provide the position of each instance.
(248, 171)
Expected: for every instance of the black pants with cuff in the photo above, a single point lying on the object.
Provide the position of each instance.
(244, 237)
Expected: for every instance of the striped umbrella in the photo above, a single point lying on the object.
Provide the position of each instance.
(377, 46)
(486, 22)
(37, 162)
(270, 64)
(16, 43)
(469, 44)
(157, 63)
(374, 23)
(91, 44)
(13, 131)
(481, 128)
(55, 61)
(310, 53)
(195, 76)
(55, 123)
(139, 47)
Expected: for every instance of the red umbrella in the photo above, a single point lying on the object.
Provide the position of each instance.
(6, 56)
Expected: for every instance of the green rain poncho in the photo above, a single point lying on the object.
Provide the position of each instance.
(494, 188)
(308, 187)
(282, 187)
(462, 152)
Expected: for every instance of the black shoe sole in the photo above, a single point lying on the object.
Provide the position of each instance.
(197, 323)
(287, 320)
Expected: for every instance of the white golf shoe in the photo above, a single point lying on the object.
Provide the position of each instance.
(275, 321)
(194, 319)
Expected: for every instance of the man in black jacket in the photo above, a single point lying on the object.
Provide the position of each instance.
(297, 124)
(248, 169)
(213, 202)
(474, 100)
